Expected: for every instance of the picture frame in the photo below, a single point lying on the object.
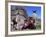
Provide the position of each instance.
(25, 4)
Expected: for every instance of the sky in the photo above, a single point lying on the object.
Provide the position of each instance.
(30, 9)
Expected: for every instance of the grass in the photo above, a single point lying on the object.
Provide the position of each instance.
(38, 26)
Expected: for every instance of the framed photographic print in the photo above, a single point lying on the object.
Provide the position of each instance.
(25, 18)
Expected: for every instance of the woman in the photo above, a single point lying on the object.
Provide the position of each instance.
(29, 23)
